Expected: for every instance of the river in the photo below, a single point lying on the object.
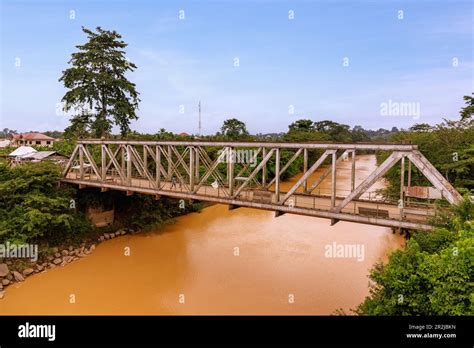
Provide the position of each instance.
(242, 261)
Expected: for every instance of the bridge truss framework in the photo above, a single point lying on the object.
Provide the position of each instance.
(195, 170)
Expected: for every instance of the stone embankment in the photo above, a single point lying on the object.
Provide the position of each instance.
(13, 272)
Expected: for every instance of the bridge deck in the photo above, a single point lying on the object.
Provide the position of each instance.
(375, 212)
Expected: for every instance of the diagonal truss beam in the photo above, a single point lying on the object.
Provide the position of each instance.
(435, 177)
(254, 172)
(328, 171)
(91, 161)
(210, 169)
(371, 179)
(306, 175)
(246, 166)
(207, 161)
(286, 166)
(114, 161)
(139, 164)
(174, 166)
(71, 160)
(180, 158)
(157, 162)
(114, 155)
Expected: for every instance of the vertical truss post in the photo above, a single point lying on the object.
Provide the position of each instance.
(191, 168)
(264, 169)
(305, 168)
(122, 166)
(170, 165)
(197, 164)
(103, 163)
(81, 162)
(409, 178)
(230, 170)
(277, 175)
(158, 166)
(129, 165)
(353, 170)
(333, 180)
(402, 183)
(145, 158)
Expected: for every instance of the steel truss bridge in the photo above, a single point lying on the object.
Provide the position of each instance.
(214, 172)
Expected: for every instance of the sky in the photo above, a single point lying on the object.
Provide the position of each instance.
(377, 64)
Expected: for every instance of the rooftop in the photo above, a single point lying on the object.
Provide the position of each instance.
(32, 136)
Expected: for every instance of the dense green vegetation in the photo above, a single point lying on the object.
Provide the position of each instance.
(34, 208)
(433, 275)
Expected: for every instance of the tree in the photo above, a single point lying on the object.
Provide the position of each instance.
(7, 133)
(421, 127)
(301, 126)
(336, 131)
(234, 129)
(359, 134)
(97, 86)
(467, 111)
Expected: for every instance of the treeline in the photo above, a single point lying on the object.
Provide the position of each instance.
(449, 146)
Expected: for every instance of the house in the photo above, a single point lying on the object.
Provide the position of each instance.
(28, 154)
(32, 138)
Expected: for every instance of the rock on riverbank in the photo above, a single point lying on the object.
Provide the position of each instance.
(11, 272)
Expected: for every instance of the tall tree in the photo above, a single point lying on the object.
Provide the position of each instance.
(234, 129)
(97, 86)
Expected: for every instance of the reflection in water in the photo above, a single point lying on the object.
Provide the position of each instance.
(243, 261)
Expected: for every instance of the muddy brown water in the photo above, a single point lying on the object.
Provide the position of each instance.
(243, 261)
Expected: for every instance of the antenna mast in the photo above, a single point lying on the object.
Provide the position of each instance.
(199, 117)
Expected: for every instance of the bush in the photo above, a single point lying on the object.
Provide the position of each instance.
(432, 276)
(33, 207)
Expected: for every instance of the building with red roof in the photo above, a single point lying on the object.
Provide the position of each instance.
(32, 138)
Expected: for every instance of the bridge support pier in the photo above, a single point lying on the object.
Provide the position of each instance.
(279, 213)
(233, 206)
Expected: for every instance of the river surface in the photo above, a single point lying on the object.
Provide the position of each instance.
(243, 261)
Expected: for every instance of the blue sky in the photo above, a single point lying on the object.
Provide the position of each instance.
(285, 63)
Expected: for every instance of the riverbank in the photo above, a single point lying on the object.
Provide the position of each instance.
(16, 270)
